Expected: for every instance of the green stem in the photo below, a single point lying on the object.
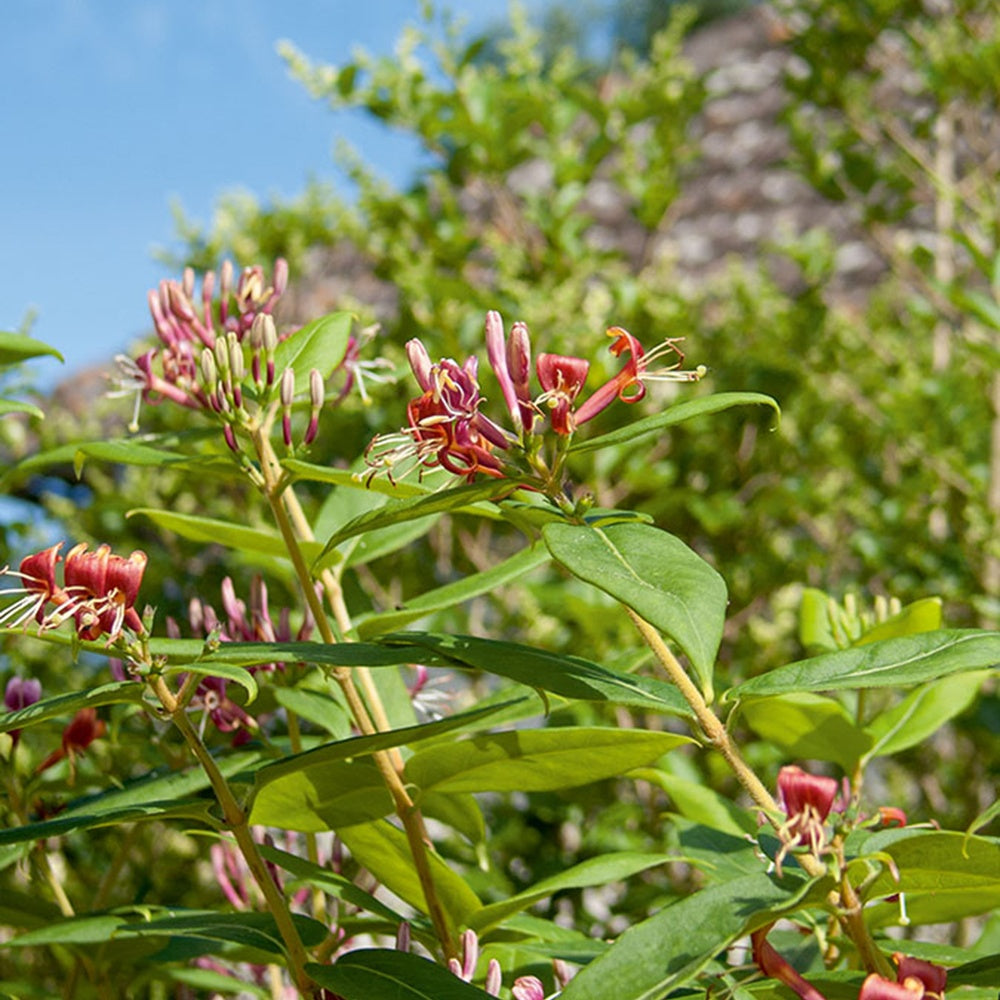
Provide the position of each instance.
(284, 508)
(236, 821)
(844, 900)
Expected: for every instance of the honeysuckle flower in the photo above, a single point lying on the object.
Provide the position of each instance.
(98, 591)
(772, 964)
(629, 385)
(83, 729)
(934, 978)
(527, 988)
(875, 987)
(807, 800)
(561, 379)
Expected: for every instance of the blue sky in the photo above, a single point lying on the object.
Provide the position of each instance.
(114, 109)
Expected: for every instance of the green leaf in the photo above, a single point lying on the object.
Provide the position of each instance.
(613, 867)
(210, 531)
(676, 414)
(308, 873)
(381, 974)
(17, 347)
(320, 344)
(383, 850)
(654, 574)
(134, 453)
(945, 875)
(354, 480)
(460, 497)
(808, 727)
(910, 659)
(230, 673)
(567, 676)
(19, 406)
(700, 804)
(920, 616)
(453, 593)
(536, 760)
(661, 954)
(315, 800)
(318, 707)
(319, 758)
(923, 712)
(60, 705)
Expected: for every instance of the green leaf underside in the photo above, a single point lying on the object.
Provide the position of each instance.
(383, 850)
(210, 531)
(453, 593)
(381, 974)
(613, 867)
(673, 415)
(808, 727)
(910, 659)
(668, 950)
(945, 875)
(407, 510)
(536, 760)
(654, 574)
(62, 705)
(134, 453)
(567, 676)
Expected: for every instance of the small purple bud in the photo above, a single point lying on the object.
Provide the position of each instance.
(403, 937)
(317, 392)
(209, 371)
(229, 434)
(21, 692)
(280, 278)
(286, 430)
(236, 363)
(187, 283)
(496, 350)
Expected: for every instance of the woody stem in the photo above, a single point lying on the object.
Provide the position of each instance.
(285, 508)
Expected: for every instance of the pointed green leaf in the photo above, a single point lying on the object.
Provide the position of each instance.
(134, 453)
(320, 344)
(354, 480)
(808, 727)
(923, 712)
(61, 705)
(230, 673)
(210, 531)
(536, 760)
(19, 406)
(659, 955)
(383, 850)
(673, 415)
(654, 574)
(701, 804)
(920, 616)
(945, 876)
(319, 758)
(613, 867)
(17, 347)
(910, 659)
(396, 512)
(566, 676)
(453, 593)
(380, 974)
(339, 794)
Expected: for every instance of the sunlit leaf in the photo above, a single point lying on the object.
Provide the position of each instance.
(17, 347)
(320, 344)
(654, 574)
(910, 659)
(677, 414)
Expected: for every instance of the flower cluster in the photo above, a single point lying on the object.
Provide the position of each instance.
(98, 591)
(241, 624)
(446, 427)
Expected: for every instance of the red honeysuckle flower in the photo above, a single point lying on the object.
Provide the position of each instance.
(83, 729)
(877, 988)
(772, 964)
(933, 977)
(629, 384)
(807, 800)
(105, 588)
(561, 379)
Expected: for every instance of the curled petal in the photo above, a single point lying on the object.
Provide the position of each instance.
(877, 988)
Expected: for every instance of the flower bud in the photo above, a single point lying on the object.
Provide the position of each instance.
(209, 371)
